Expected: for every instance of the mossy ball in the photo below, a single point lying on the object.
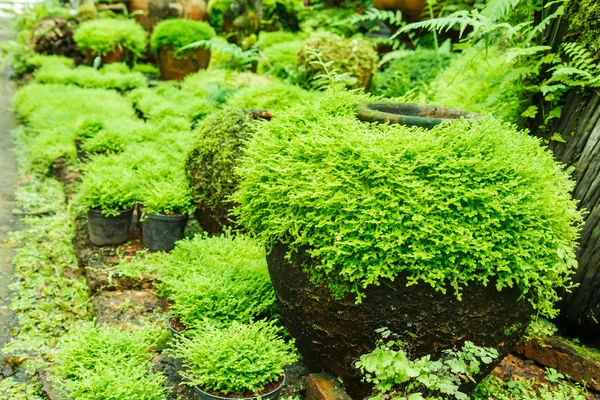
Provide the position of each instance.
(210, 166)
(353, 56)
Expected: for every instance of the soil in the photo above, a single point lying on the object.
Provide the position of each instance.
(177, 324)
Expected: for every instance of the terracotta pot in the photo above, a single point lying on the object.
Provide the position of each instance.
(151, 12)
(174, 68)
(117, 55)
(411, 9)
(331, 334)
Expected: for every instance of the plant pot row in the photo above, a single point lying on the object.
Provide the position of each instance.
(159, 232)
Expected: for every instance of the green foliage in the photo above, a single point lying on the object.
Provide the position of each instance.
(109, 363)
(46, 299)
(107, 186)
(221, 279)
(556, 388)
(584, 24)
(392, 372)
(280, 60)
(268, 39)
(218, 145)
(243, 358)
(352, 56)
(102, 36)
(274, 97)
(168, 197)
(169, 101)
(410, 70)
(481, 80)
(388, 200)
(112, 76)
(227, 55)
(178, 32)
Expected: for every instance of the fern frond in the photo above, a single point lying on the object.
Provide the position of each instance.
(497, 9)
(374, 14)
(443, 24)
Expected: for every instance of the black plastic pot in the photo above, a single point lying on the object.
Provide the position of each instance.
(200, 394)
(160, 232)
(109, 230)
(410, 114)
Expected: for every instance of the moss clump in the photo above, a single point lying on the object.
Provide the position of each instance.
(268, 39)
(352, 56)
(584, 24)
(219, 143)
(176, 33)
(273, 97)
(411, 71)
(280, 60)
(103, 36)
(111, 76)
(471, 202)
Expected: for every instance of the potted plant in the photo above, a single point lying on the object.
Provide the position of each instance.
(210, 165)
(460, 232)
(113, 40)
(221, 278)
(168, 39)
(166, 208)
(242, 361)
(107, 194)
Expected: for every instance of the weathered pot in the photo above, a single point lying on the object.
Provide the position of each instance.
(160, 232)
(200, 394)
(409, 114)
(331, 334)
(109, 230)
(117, 55)
(177, 68)
(148, 13)
(411, 9)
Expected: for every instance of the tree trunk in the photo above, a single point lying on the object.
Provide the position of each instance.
(580, 128)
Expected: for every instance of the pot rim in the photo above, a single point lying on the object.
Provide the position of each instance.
(99, 211)
(278, 388)
(164, 216)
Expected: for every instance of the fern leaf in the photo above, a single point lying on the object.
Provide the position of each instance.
(496, 9)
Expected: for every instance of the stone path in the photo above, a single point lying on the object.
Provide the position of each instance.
(8, 183)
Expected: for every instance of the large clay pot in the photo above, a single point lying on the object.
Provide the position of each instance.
(411, 9)
(148, 13)
(331, 334)
(117, 55)
(177, 68)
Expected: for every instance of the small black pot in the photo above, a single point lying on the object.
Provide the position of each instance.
(408, 114)
(200, 394)
(160, 232)
(109, 230)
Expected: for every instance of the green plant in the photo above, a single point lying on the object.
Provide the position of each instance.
(169, 197)
(220, 279)
(110, 77)
(411, 70)
(555, 388)
(176, 33)
(584, 26)
(107, 186)
(109, 363)
(227, 55)
(105, 35)
(281, 60)
(268, 39)
(394, 375)
(471, 202)
(273, 97)
(218, 145)
(240, 359)
(352, 56)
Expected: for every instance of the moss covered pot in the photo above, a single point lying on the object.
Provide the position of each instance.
(169, 39)
(454, 233)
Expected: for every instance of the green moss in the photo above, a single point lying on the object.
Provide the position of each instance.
(410, 71)
(268, 39)
(280, 60)
(584, 24)
(273, 97)
(112, 76)
(177, 32)
(352, 56)
(463, 203)
(217, 147)
(102, 36)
